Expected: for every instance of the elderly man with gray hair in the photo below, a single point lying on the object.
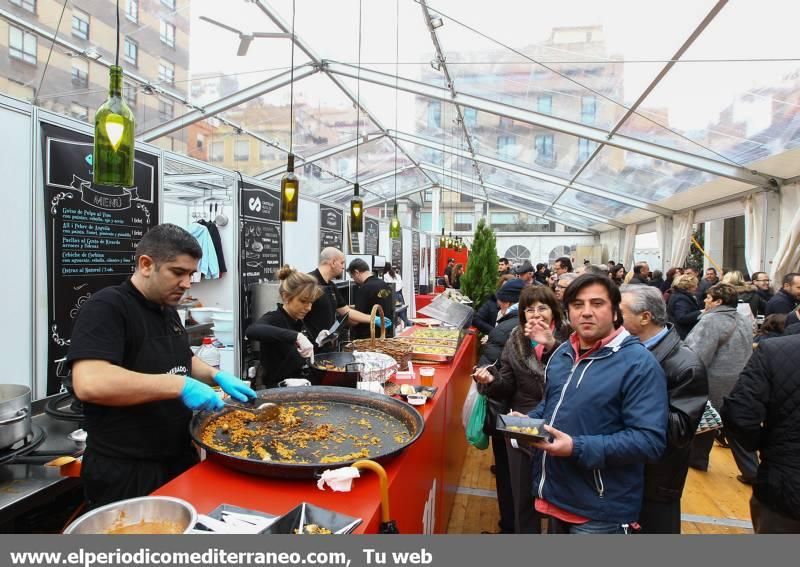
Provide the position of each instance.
(645, 316)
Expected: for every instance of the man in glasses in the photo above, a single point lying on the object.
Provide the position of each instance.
(761, 281)
(562, 283)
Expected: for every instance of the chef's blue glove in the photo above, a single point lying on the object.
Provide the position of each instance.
(198, 396)
(386, 322)
(234, 387)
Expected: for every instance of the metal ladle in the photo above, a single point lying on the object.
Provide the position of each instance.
(264, 412)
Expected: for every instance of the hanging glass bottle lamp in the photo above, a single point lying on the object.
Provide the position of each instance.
(290, 190)
(394, 226)
(113, 137)
(356, 211)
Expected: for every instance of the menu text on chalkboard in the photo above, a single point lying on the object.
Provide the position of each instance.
(91, 230)
(371, 235)
(331, 228)
(355, 243)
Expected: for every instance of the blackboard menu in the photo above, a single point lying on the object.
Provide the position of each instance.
(355, 243)
(260, 243)
(371, 236)
(91, 230)
(415, 258)
(397, 252)
(331, 228)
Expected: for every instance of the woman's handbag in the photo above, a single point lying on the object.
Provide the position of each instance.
(475, 434)
(710, 421)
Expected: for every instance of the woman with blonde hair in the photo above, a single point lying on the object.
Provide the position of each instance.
(745, 292)
(682, 308)
(284, 339)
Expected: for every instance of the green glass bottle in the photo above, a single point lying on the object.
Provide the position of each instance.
(394, 226)
(290, 192)
(356, 211)
(113, 137)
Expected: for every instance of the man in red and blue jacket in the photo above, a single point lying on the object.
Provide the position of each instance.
(605, 406)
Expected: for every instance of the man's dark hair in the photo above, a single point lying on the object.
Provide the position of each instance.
(710, 269)
(788, 279)
(725, 293)
(540, 294)
(451, 260)
(503, 260)
(585, 280)
(357, 265)
(565, 263)
(540, 266)
(756, 274)
(165, 242)
(637, 268)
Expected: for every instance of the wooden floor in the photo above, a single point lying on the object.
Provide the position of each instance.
(714, 502)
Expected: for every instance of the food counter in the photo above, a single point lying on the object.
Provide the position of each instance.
(422, 480)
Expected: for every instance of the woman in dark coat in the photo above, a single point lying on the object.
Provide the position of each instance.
(485, 317)
(517, 381)
(682, 307)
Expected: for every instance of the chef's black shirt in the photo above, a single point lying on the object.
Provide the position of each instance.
(373, 291)
(277, 332)
(120, 325)
(323, 311)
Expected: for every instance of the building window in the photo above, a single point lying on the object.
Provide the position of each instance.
(21, 45)
(132, 10)
(165, 109)
(544, 104)
(464, 198)
(463, 221)
(266, 153)
(217, 151)
(169, 3)
(588, 109)
(426, 221)
(505, 145)
(241, 150)
(505, 122)
(79, 111)
(131, 52)
(29, 5)
(80, 24)
(200, 142)
(80, 73)
(544, 149)
(168, 33)
(166, 72)
(435, 114)
(585, 148)
(501, 221)
(427, 196)
(129, 92)
(470, 117)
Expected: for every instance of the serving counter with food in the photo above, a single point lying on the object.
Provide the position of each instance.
(422, 474)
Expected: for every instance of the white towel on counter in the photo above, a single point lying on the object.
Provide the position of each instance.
(340, 480)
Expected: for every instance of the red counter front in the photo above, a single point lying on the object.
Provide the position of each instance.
(422, 480)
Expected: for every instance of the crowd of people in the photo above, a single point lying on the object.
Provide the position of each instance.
(623, 366)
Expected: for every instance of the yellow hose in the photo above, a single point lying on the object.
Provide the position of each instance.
(384, 484)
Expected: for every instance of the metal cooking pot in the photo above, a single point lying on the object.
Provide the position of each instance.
(347, 378)
(15, 414)
(134, 510)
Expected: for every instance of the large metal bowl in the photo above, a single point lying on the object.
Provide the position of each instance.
(143, 509)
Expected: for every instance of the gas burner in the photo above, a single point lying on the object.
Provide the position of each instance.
(64, 407)
(35, 438)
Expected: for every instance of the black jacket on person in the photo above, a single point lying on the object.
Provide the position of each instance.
(277, 333)
(764, 295)
(486, 316)
(687, 389)
(657, 283)
(781, 302)
(747, 294)
(374, 291)
(682, 310)
(498, 337)
(702, 287)
(762, 412)
(637, 279)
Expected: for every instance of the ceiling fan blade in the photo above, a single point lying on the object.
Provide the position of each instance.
(272, 35)
(220, 24)
(244, 44)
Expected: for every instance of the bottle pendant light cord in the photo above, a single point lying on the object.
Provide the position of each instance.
(290, 184)
(291, 86)
(394, 226)
(356, 204)
(116, 55)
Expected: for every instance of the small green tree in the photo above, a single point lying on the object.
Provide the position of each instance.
(479, 281)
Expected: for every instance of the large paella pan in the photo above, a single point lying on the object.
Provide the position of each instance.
(319, 427)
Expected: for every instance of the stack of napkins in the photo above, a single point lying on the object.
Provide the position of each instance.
(227, 519)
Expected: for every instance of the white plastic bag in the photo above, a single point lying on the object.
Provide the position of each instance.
(469, 403)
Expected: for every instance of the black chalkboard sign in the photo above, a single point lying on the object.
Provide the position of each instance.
(371, 236)
(331, 228)
(260, 243)
(415, 259)
(397, 252)
(91, 230)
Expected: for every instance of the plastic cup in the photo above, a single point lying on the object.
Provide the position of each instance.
(426, 375)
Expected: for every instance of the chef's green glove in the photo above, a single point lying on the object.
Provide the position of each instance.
(234, 387)
(198, 396)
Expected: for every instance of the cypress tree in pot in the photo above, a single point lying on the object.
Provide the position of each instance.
(479, 281)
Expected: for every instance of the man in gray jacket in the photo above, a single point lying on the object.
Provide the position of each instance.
(723, 340)
(645, 316)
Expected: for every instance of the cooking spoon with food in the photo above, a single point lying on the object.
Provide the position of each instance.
(264, 412)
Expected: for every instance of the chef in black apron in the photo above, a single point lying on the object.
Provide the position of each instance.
(330, 302)
(136, 376)
(372, 290)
